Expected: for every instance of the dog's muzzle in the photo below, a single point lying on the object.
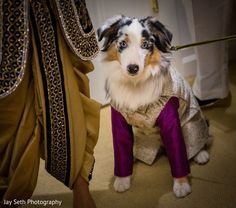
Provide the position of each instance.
(133, 69)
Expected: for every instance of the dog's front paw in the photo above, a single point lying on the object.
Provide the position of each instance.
(202, 157)
(181, 189)
(122, 184)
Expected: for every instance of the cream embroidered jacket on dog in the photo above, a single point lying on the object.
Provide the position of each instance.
(143, 120)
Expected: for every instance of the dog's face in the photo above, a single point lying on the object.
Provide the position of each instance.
(136, 44)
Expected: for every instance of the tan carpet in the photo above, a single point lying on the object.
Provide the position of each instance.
(213, 185)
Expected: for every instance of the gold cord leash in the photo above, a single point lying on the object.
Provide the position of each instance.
(226, 38)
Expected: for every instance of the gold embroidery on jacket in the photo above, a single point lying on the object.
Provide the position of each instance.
(14, 35)
(77, 28)
(58, 151)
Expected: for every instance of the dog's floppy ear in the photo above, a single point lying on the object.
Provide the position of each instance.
(162, 36)
(109, 30)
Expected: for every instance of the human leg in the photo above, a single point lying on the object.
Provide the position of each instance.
(211, 21)
(81, 195)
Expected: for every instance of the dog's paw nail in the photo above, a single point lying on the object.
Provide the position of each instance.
(122, 184)
(181, 189)
(202, 157)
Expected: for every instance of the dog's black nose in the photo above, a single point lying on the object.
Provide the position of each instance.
(133, 69)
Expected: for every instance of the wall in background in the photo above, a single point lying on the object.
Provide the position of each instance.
(232, 44)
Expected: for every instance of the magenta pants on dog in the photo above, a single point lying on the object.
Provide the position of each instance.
(171, 134)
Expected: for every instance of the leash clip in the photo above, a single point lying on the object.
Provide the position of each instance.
(173, 48)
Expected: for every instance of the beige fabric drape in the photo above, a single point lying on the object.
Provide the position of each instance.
(19, 144)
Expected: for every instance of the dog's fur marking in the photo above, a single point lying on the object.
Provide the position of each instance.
(112, 54)
(153, 59)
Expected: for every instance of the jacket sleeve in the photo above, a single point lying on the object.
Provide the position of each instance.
(172, 137)
(122, 144)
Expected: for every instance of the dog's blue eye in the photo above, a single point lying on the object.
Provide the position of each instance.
(145, 45)
(122, 45)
